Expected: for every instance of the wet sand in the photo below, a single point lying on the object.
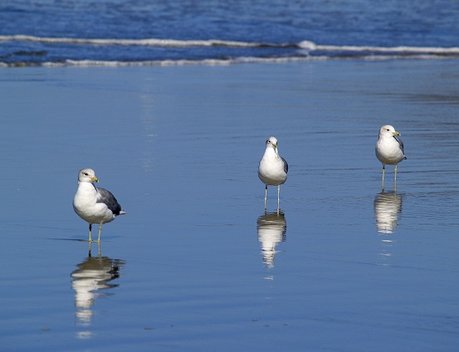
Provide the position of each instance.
(196, 264)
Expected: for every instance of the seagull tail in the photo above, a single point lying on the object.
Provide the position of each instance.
(122, 212)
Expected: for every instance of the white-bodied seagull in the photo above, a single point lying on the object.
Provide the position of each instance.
(94, 205)
(389, 149)
(273, 169)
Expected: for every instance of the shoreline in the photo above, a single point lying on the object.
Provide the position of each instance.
(227, 62)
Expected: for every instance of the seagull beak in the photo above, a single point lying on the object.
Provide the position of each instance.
(94, 179)
(396, 133)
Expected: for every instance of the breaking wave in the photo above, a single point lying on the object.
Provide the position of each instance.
(235, 52)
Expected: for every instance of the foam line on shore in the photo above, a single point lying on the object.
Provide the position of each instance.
(305, 44)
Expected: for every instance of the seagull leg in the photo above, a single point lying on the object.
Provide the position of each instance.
(90, 233)
(395, 177)
(278, 199)
(100, 231)
(266, 195)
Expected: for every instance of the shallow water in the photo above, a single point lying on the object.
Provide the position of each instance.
(196, 264)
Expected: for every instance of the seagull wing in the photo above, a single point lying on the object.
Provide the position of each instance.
(106, 197)
(400, 143)
(285, 165)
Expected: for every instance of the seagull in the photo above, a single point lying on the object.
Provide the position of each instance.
(273, 168)
(94, 205)
(389, 149)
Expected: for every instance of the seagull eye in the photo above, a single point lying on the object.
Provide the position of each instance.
(387, 130)
(85, 173)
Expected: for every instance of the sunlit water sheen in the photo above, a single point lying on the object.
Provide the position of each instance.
(196, 264)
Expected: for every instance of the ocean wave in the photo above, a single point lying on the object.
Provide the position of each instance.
(311, 46)
(184, 62)
(306, 45)
(230, 52)
(204, 62)
(180, 62)
(131, 42)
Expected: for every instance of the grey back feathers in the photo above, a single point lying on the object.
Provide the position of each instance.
(400, 143)
(285, 165)
(106, 197)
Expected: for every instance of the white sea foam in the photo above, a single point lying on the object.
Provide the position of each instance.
(102, 63)
(208, 62)
(305, 51)
(308, 45)
(127, 42)
(305, 44)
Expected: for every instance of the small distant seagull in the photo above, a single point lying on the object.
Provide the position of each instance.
(389, 150)
(273, 169)
(94, 205)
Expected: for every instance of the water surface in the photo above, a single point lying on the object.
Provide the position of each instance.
(139, 32)
(196, 264)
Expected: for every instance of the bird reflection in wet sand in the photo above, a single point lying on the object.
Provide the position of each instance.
(271, 229)
(90, 280)
(388, 207)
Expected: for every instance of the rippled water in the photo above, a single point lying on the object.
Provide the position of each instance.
(196, 264)
(139, 32)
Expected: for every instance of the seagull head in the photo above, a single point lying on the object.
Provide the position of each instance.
(87, 175)
(389, 131)
(271, 142)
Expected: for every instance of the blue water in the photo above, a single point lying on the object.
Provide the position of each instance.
(197, 264)
(67, 33)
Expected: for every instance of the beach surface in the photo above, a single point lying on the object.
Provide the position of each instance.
(196, 264)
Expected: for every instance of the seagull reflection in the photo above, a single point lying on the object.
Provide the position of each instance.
(88, 279)
(271, 229)
(388, 206)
